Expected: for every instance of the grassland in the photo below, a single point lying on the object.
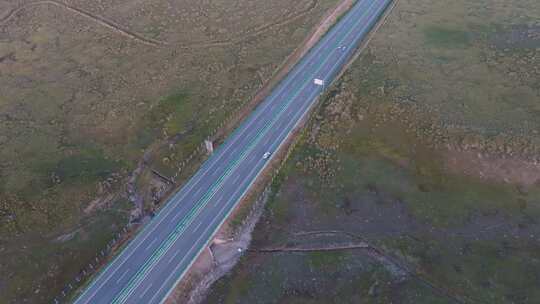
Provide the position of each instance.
(88, 88)
(426, 150)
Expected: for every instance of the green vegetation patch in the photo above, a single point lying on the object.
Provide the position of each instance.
(446, 38)
(429, 190)
(241, 284)
(60, 256)
(175, 113)
(487, 271)
(326, 260)
(278, 208)
(87, 165)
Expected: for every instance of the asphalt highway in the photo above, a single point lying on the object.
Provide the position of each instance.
(147, 270)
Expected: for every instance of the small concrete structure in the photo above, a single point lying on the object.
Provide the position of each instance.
(209, 146)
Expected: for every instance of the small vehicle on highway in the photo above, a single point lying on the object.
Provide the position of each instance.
(266, 155)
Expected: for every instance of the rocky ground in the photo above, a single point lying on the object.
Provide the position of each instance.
(418, 180)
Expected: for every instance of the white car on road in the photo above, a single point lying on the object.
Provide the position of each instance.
(266, 155)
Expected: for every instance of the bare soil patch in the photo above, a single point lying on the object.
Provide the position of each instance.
(494, 168)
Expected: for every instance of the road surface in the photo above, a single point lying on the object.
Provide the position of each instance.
(149, 267)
